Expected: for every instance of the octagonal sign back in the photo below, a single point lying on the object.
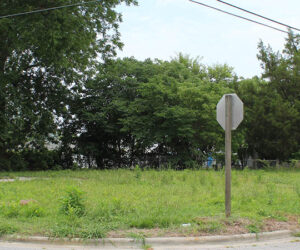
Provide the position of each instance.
(237, 111)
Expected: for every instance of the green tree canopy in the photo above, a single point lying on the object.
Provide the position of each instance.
(280, 99)
(270, 123)
(44, 58)
(135, 110)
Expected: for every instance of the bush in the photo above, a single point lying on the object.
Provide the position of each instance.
(41, 160)
(72, 202)
(10, 161)
(30, 160)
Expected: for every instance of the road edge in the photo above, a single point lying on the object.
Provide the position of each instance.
(166, 241)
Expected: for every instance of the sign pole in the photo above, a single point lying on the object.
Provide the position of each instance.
(228, 126)
(230, 113)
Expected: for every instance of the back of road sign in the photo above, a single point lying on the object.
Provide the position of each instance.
(237, 111)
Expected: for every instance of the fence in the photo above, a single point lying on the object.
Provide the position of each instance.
(254, 164)
(259, 164)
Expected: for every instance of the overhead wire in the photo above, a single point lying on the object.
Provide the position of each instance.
(196, 2)
(238, 16)
(48, 9)
(261, 16)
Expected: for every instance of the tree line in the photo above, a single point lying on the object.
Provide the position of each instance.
(66, 101)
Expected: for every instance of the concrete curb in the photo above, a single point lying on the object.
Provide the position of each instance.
(154, 242)
(190, 241)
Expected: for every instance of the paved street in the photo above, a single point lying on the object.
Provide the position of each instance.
(286, 244)
(289, 244)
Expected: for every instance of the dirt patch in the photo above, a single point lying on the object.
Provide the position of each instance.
(210, 226)
(238, 226)
(27, 202)
(270, 225)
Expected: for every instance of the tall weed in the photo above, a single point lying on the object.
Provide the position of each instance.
(297, 189)
(72, 202)
(270, 193)
(6, 228)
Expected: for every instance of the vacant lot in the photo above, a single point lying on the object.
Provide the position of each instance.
(92, 204)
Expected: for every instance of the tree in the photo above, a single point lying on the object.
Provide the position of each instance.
(44, 59)
(282, 71)
(270, 122)
(105, 100)
(173, 112)
(144, 111)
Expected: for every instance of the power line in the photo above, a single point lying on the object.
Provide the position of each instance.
(42, 10)
(247, 19)
(250, 12)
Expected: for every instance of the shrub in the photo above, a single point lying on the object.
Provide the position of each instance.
(41, 160)
(30, 160)
(72, 202)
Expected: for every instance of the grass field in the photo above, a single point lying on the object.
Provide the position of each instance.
(93, 204)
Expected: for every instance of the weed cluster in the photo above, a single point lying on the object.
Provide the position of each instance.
(72, 202)
(253, 228)
(14, 210)
(297, 189)
(6, 228)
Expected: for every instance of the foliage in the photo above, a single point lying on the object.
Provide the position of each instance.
(61, 85)
(15, 209)
(31, 160)
(44, 59)
(253, 228)
(156, 110)
(72, 202)
(105, 100)
(6, 228)
(272, 107)
(160, 200)
(270, 122)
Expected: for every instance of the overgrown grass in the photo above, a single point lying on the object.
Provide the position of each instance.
(90, 203)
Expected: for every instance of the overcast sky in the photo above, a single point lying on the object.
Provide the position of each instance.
(162, 28)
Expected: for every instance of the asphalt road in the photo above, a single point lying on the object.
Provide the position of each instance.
(289, 244)
(284, 244)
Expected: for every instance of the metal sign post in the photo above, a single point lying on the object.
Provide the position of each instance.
(228, 124)
(229, 115)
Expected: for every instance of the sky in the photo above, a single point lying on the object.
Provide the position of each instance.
(163, 28)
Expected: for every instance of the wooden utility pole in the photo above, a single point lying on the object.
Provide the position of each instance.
(228, 126)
